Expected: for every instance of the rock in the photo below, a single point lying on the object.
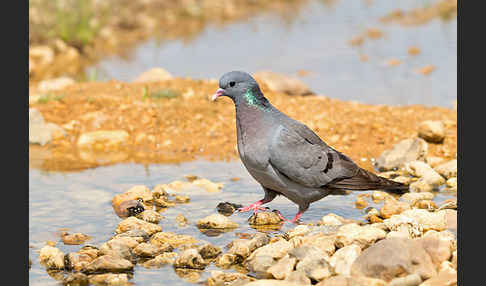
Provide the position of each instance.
(208, 251)
(412, 198)
(392, 258)
(322, 241)
(42, 55)
(312, 261)
(283, 83)
(298, 278)
(454, 259)
(444, 278)
(110, 139)
(283, 267)
(360, 203)
(439, 245)
(220, 278)
(434, 161)
(448, 169)
(216, 221)
(109, 279)
(378, 196)
(432, 131)
(423, 170)
(452, 184)
(129, 208)
(190, 258)
(420, 186)
(270, 282)
(393, 207)
(428, 220)
(425, 204)
(149, 250)
(227, 259)
(182, 199)
(451, 219)
(153, 75)
(163, 202)
(331, 219)
(264, 257)
(299, 230)
(208, 185)
(409, 280)
(174, 240)
(404, 224)
(360, 235)
(346, 280)
(76, 278)
(150, 216)
(135, 233)
(89, 250)
(405, 151)
(51, 257)
(55, 84)
(77, 261)
(74, 238)
(264, 218)
(181, 220)
(226, 208)
(161, 259)
(40, 132)
(119, 247)
(108, 263)
(132, 223)
(342, 260)
(244, 247)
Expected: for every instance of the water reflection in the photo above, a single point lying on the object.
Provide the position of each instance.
(316, 39)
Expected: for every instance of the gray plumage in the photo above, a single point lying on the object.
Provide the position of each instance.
(285, 156)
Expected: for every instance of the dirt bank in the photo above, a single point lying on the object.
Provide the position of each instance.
(174, 121)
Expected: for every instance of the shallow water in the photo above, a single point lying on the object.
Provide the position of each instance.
(81, 202)
(316, 39)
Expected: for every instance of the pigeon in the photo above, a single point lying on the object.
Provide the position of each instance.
(285, 156)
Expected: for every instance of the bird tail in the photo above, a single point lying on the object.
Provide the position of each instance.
(364, 181)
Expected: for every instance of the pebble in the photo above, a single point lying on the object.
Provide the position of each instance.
(150, 216)
(382, 260)
(74, 238)
(190, 258)
(216, 221)
(132, 223)
(448, 169)
(283, 83)
(363, 236)
(432, 131)
(264, 218)
(405, 151)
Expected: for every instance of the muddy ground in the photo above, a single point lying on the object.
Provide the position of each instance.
(188, 125)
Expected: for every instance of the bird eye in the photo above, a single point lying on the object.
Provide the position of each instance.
(232, 83)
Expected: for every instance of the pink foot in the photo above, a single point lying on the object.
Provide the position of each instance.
(294, 220)
(255, 207)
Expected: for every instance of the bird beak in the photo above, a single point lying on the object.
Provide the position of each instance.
(219, 92)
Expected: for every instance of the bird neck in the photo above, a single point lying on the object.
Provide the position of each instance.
(254, 100)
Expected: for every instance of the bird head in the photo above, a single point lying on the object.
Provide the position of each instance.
(238, 85)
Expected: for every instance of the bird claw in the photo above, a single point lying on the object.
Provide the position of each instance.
(295, 220)
(254, 207)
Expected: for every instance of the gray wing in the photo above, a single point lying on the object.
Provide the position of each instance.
(301, 156)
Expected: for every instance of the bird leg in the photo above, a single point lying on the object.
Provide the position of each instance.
(294, 220)
(256, 206)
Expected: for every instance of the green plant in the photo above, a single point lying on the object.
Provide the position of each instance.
(48, 97)
(164, 93)
(76, 22)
